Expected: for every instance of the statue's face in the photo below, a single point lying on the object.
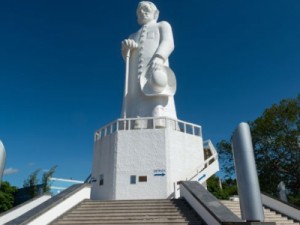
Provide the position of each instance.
(145, 14)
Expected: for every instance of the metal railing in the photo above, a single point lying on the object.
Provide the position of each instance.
(204, 165)
(205, 169)
(148, 123)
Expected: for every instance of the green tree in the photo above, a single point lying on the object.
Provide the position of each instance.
(229, 187)
(276, 140)
(276, 143)
(226, 159)
(6, 196)
(46, 178)
(31, 183)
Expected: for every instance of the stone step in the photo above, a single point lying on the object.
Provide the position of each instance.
(129, 219)
(130, 203)
(265, 213)
(284, 223)
(270, 216)
(279, 219)
(88, 205)
(87, 214)
(133, 204)
(130, 206)
(130, 212)
(133, 222)
(142, 202)
(112, 215)
(128, 222)
(120, 209)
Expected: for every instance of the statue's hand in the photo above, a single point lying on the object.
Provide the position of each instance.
(156, 63)
(129, 44)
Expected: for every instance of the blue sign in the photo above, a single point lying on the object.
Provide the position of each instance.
(204, 175)
(159, 173)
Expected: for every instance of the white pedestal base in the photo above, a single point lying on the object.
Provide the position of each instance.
(155, 159)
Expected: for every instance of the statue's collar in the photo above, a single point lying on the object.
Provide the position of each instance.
(149, 23)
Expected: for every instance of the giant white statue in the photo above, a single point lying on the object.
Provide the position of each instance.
(150, 83)
(144, 158)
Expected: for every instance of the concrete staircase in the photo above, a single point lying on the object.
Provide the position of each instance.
(270, 216)
(145, 212)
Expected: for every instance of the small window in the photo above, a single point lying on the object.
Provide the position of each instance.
(101, 179)
(132, 179)
(142, 178)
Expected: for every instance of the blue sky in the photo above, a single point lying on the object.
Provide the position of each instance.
(62, 74)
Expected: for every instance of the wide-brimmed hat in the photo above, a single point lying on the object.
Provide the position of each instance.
(161, 82)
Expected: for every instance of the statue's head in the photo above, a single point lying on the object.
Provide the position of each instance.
(146, 12)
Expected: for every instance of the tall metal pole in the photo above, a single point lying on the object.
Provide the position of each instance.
(2, 160)
(247, 180)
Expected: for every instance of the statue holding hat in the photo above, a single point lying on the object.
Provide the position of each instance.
(150, 84)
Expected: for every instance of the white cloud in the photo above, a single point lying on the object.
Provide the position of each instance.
(9, 171)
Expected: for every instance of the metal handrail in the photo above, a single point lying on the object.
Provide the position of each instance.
(148, 123)
(202, 167)
(206, 163)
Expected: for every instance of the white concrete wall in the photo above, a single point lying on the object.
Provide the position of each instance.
(141, 153)
(104, 163)
(185, 154)
(18, 211)
(62, 207)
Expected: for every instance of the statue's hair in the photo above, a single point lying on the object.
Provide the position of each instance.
(152, 6)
